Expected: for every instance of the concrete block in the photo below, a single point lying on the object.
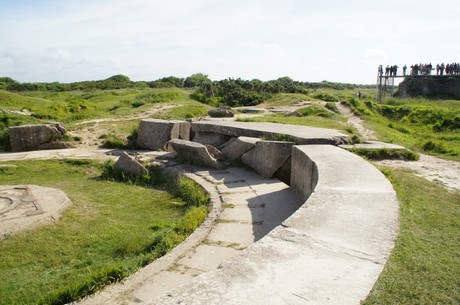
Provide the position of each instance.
(267, 157)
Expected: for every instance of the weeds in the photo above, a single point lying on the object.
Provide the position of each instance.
(281, 137)
(386, 153)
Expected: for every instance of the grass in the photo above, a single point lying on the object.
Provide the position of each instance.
(285, 99)
(184, 111)
(422, 125)
(424, 265)
(111, 230)
(73, 107)
(311, 120)
(386, 153)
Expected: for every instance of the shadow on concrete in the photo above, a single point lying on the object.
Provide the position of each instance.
(262, 203)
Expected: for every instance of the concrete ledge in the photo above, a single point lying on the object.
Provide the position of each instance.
(331, 251)
(301, 134)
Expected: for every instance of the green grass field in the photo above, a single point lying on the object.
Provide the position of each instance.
(112, 229)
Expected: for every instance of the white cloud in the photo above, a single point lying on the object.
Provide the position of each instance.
(72, 40)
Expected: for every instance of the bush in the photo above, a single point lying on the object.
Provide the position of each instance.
(326, 96)
(112, 141)
(332, 107)
(434, 147)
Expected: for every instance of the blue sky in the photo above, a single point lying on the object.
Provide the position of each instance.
(342, 41)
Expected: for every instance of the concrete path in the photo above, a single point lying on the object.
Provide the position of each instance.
(251, 207)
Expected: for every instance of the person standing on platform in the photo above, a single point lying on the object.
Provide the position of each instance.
(404, 70)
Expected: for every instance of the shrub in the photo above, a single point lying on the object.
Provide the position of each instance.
(434, 147)
(137, 104)
(326, 96)
(332, 107)
(112, 141)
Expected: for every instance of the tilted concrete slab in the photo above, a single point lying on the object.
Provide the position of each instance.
(301, 134)
(330, 251)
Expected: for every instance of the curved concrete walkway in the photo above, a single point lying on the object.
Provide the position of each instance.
(248, 207)
(330, 251)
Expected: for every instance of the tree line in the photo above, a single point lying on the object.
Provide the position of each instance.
(231, 92)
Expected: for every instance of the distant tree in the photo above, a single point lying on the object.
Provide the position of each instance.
(175, 81)
(119, 78)
(5, 82)
(196, 80)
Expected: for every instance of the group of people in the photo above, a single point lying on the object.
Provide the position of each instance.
(422, 69)
(391, 71)
(449, 69)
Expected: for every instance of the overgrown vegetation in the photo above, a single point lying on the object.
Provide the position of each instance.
(111, 229)
(424, 125)
(424, 265)
(386, 153)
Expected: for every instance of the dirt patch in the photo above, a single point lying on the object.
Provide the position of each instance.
(90, 132)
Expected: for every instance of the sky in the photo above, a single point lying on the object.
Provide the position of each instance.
(307, 40)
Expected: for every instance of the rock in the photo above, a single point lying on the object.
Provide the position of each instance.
(154, 134)
(220, 113)
(194, 153)
(129, 165)
(238, 147)
(31, 137)
(210, 138)
(267, 157)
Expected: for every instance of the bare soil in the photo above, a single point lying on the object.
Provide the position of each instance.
(91, 131)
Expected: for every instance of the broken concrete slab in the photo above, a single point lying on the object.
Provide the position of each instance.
(210, 138)
(300, 134)
(31, 137)
(129, 165)
(267, 157)
(238, 147)
(194, 153)
(153, 134)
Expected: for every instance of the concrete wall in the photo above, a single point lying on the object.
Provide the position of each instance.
(413, 86)
(304, 173)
